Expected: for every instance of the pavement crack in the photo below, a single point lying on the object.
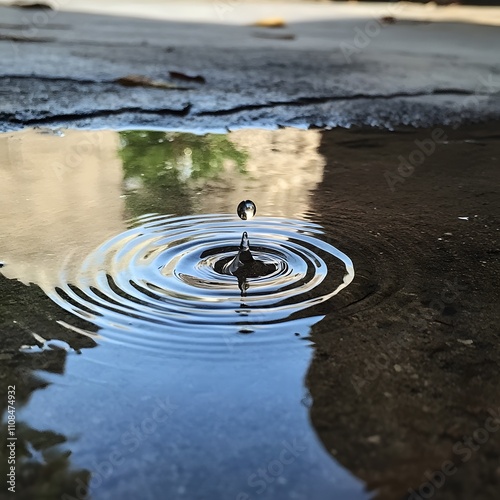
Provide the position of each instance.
(141, 81)
(101, 113)
(23, 27)
(25, 39)
(62, 79)
(305, 101)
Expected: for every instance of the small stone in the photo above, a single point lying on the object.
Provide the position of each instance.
(374, 439)
(398, 368)
(465, 342)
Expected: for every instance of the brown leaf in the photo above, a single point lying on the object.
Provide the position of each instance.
(144, 81)
(32, 5)
(388, 20)
(186, 78)
(270, 22)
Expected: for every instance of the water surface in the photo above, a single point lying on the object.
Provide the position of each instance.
(193, 390)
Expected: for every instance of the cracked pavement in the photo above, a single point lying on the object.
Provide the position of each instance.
(68, 71)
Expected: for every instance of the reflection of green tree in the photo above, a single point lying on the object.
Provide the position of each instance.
(162, 169)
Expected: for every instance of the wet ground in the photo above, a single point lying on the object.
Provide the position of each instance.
(364, 364)
(131, 382)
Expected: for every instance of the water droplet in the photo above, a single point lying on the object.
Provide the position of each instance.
(245, 244)
(246, 209)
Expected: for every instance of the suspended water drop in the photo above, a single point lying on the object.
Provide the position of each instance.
(246, 209)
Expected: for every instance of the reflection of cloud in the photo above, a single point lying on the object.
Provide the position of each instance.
(60, 199)
(283, 167)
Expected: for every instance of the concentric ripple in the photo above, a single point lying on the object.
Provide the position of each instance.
(159, 284)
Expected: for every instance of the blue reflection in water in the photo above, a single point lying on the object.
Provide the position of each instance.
(195, 391)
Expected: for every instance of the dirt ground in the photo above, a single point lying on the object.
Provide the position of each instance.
(406, 371)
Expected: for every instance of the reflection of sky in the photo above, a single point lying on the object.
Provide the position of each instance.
(169, 424)
(226, 421)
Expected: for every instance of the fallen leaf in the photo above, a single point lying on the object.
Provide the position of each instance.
(144, 81)
(270, 22)
(186, 78)
(32, 5)
(388, 20)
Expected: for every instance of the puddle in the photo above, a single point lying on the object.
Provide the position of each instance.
(161, 279)
(195, 388)
(144, 370)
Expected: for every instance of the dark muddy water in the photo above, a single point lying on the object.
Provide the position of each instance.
(349, 371)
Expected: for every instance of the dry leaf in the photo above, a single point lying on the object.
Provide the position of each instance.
(144, 81)
(270, 22)
(388, 20)
(186, 78)
(32, 5)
